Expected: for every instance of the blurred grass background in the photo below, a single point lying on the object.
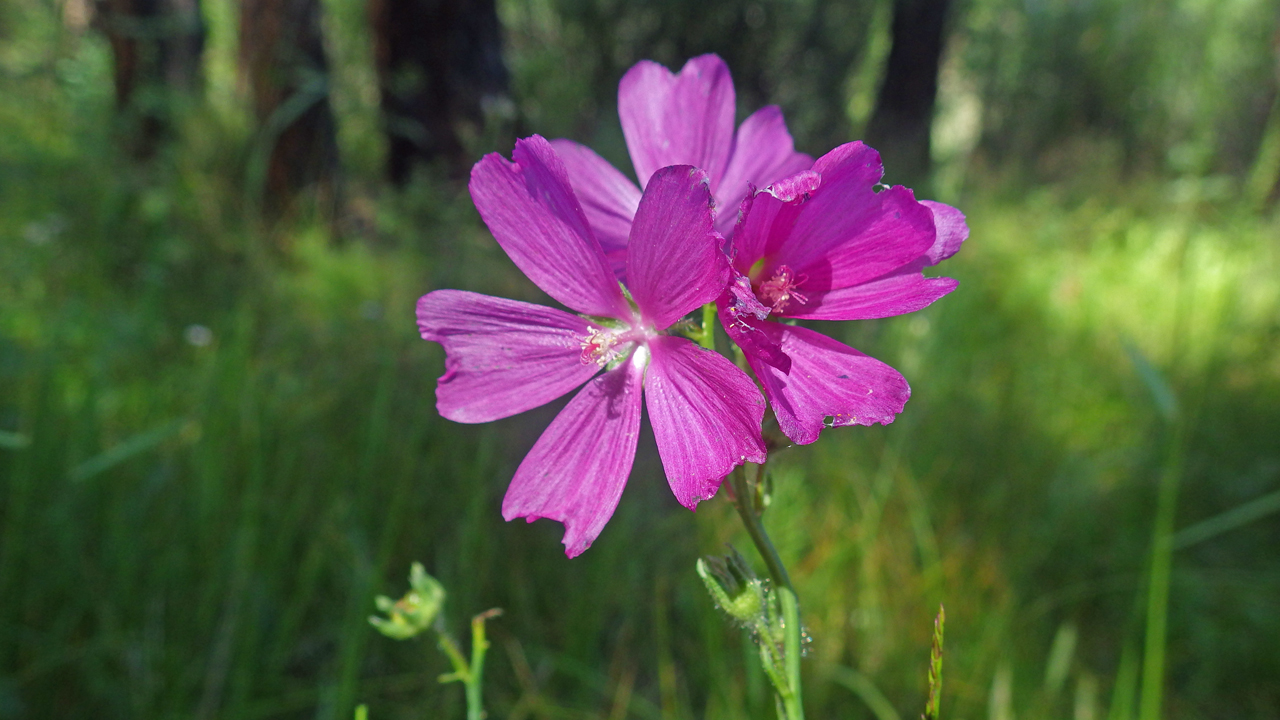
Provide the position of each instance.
(218, 438)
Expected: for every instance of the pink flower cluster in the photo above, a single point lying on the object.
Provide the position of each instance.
(823, 240)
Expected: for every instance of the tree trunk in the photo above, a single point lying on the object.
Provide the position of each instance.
(156, 47)
(439, 66)
(282, 59)
(900, 125)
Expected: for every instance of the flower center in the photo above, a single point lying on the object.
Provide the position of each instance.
(779, 290)
(600, 347)
(608, 347)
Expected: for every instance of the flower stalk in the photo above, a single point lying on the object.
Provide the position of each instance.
(471, 675)
(748, 498)
(419, 610)
(708, 337)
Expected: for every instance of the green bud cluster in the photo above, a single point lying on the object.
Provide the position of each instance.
(734, 587)
(759, 608)
(413, 613)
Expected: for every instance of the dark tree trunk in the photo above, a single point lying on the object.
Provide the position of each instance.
(156, 46)
(899, 126)
(282, 58)
(439, 65)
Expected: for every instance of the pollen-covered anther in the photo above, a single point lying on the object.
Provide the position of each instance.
(600, 347)
(779, 290)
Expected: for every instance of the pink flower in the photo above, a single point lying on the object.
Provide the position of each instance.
(826, 244)
(505, 357)
(684, 119)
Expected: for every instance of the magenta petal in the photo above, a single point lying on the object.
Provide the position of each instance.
(951, 229)
(740, 299)
(848, 223)
(608, 198)
(576, 471)
(533, 214)
(850, 159)
(897, 293)
(684, 119)
(502, 357)
(706, 416)
(674, 258)
(828, 379)
(763, 153)
(768, 217)
(846, 236)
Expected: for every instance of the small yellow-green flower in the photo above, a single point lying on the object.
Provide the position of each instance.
(414, 612)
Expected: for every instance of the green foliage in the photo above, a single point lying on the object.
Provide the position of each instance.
(1183, 86)
(805, 56)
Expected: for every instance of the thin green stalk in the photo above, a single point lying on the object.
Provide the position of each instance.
(1153, 656)
(708, 339)
(744, 499)
(461, 671)
(471, 675)
(791, 645)
(475, 684)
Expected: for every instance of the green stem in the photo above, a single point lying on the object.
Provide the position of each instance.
(471, 675)
(791, 654)
(460, 669)
(479, 645)
(708, 339)
(744, 499)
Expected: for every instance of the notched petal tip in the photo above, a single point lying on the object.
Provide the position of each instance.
(706, 416)
(830, 385)
(576, 471)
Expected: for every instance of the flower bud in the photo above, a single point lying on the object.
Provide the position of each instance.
(733, 586)
(414, 612)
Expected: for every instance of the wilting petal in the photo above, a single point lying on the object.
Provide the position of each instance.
(502, 357)
(763, 152)
(742, 300)
(674, 258)
(684, 119)
(827, 380)
(903, 291)
(608, 198)
(576, 471)
(743, 328)
(951, 229)
(533, 214)
(706, 416)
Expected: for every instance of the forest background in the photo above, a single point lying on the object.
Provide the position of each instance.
(218, 438)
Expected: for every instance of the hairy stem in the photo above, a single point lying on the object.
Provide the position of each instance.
(745, 500)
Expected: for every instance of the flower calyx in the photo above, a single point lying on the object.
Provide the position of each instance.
(734, 587)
